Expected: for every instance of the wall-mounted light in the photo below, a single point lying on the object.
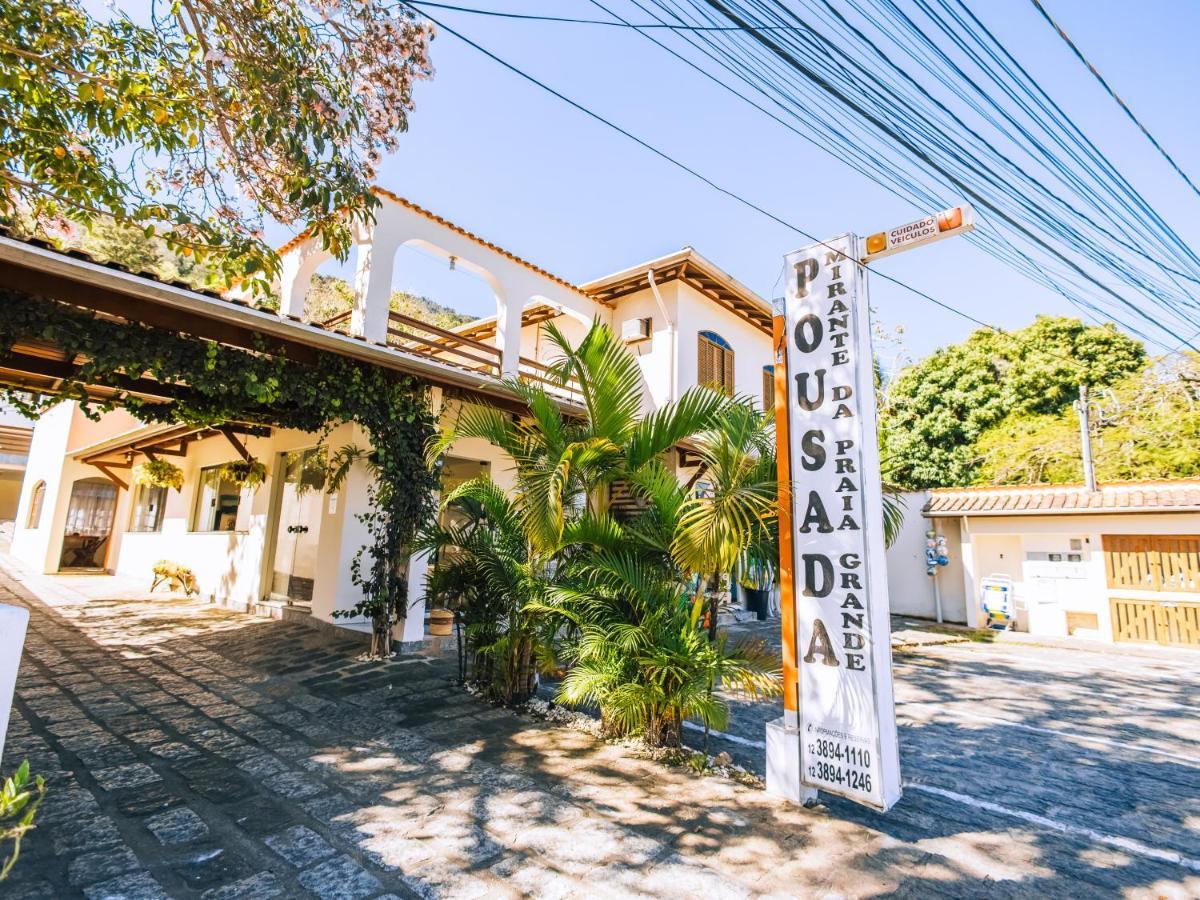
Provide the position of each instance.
(453, 260)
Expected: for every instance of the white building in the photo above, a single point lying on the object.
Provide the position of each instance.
(284, 548)
(1121, 563)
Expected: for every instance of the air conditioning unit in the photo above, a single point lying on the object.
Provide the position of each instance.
(634, 331)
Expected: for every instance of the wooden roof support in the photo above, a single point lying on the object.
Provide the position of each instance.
(233, 440)
(104, 467)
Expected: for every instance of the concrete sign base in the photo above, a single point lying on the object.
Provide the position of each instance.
(13, 622)
(783, 762)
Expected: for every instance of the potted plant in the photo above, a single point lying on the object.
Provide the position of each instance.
(158, 473)
(245, 473)
(756, 578)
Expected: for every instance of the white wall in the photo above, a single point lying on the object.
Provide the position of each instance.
(46, 454)
(751, 347)
(1046, 591)
(230, 566)
(911, 590)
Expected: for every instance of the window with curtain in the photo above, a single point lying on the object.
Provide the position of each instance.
(768, 388)
(37, 497)
(714, 362)
(217, 501)
(148, 503)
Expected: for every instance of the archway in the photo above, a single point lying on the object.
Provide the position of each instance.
(88, 529)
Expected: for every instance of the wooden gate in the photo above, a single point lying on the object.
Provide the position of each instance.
(1153, 562)
(1165, 565)
(1173, 623)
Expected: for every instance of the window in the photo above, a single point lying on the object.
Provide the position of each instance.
(37, 497)
(148, 503)
(768, 388)
(714, 362)
(217, 503)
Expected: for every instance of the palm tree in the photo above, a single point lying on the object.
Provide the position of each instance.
(634, 639)
(739, 508)
(565, 462)
(486, 570)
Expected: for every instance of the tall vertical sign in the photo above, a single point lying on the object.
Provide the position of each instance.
(847, 724)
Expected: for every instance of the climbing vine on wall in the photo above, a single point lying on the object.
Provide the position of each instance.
(212, 383)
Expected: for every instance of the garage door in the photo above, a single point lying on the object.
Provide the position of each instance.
(1167, 565)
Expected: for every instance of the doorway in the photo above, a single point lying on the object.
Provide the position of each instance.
(298, 526)
(88, 529)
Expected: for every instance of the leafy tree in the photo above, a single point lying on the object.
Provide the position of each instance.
(1146, 425)
(719, 526)
(934, 412)
(208, 116)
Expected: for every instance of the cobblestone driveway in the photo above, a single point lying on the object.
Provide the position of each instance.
(194, 752)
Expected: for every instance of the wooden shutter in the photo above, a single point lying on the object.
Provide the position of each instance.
(714, 365)
(768, 388)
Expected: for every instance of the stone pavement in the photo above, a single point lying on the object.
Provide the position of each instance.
(193, 752)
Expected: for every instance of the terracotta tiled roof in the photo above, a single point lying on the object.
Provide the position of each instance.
(457, 229)
(1172, 495)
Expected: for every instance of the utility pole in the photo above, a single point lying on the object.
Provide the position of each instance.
(1085, 438)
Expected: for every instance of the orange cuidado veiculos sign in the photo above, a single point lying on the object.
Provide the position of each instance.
(949, 222)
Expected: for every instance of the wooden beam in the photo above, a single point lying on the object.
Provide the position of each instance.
(237, 445)
(103, 467)
(130, 308)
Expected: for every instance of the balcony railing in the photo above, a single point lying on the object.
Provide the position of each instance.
(454, 349)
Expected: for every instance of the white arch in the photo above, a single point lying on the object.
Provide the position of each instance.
(397, 223)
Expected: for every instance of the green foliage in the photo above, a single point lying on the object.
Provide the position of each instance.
(249, 473)
(19, 801)
(637, 644)
(1146, 425)
(329, 296)
(204, 119)
(158, 473)
(612, 589)
(214, 383)
(934, 412)
(485, 569)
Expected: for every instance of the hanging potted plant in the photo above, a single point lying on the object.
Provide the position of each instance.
(245, 473)
(158, 473)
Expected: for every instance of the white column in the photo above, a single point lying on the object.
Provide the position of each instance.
(296, 271)
(13, 622)
(508, 331)
(414, 622)
(970, 588)
(375, 259)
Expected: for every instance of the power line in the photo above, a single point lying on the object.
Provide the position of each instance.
(872, 165)
(924, 153)
(719, 188)
(529, 17)
(1107, 87)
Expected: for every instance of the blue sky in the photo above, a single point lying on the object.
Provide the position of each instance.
(500, 157)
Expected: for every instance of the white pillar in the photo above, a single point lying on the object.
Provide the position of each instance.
(13, 622)
(375, 259)
(970, 586)
(414, 622)
(508, 332)
(296, 271)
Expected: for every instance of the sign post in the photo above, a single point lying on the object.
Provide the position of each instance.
(838, 732)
